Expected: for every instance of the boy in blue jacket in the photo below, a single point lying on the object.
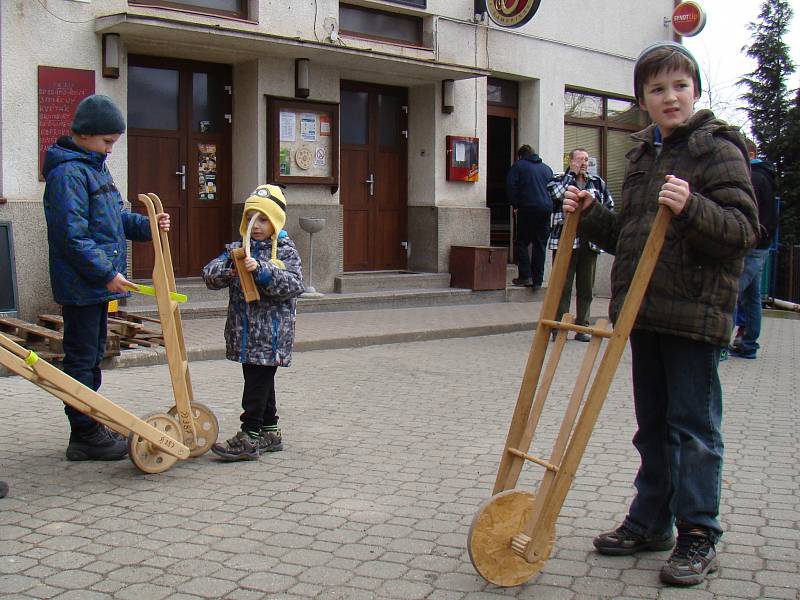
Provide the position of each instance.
(87, 230)
(259, 334)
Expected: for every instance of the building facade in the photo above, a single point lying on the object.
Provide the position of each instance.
(393, 120)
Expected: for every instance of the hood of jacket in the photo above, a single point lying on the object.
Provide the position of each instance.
(65, 150)
(767, 169)
(533, 158)
(698, 131)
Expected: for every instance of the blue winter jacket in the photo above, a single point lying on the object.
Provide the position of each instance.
(86, 225)
(526, 185)
(260, 332)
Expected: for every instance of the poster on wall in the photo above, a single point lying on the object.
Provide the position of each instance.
(60, 91)
(207, 171)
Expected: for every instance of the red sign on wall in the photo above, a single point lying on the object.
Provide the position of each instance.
(688, 19)
(60, 91)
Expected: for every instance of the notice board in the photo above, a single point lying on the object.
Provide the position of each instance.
(60, 91)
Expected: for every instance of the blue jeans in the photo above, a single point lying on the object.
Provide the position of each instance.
(748, 307)
(85, 332)
(678, 402)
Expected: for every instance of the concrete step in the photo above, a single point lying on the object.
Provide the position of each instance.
(375, 281)
(218, 305)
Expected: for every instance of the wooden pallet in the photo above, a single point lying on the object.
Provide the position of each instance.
(55, 324)
(123, 334)
(46, 342)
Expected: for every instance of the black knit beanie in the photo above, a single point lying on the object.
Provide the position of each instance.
(97, 115)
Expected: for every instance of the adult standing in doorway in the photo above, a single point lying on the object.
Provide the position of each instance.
(584, 254)
(526, 184)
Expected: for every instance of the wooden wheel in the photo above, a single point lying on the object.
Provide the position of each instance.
(146, 456)
(499, 519)
(206, 429)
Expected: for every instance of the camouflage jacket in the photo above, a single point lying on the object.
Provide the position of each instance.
(694, 286)
(261, 332)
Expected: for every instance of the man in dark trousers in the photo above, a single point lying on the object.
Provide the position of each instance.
(526, 185)
(748, 306)
(584, 254)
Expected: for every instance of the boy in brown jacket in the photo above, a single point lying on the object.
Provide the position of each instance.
(696, 165)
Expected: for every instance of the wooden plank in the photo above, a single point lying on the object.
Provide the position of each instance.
(251, 293)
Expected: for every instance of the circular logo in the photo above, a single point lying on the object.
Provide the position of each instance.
(688, 19)
(512, 13)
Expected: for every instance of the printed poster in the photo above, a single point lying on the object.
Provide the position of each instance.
(207, 171)
(287, 126)
(308, 127)
(284, 162)
(324, 125)
(320, 156)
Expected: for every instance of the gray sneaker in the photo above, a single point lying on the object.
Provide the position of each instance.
(624, 542)
(242, 446)
(270, 441)
(694, 557)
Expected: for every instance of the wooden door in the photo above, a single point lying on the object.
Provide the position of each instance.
(373, 173)
(179, 148)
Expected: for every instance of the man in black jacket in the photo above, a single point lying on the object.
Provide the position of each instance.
(748, 307)
(526, 184)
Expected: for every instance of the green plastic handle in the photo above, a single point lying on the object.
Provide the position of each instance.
(151, 291)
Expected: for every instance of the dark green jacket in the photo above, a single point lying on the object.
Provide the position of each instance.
(694, 286)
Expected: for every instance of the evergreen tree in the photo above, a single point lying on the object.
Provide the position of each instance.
(789, 185)
(768, 100)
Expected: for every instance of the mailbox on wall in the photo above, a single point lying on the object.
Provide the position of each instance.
(462, 158)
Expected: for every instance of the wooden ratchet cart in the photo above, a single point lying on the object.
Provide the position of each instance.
(198, 425)
(513, 532)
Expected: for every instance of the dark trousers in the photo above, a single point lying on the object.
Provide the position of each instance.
(258, 398)
(678, 401)
(582, 265)
(85, 331)
(530, 247)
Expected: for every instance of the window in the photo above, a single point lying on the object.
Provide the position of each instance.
(602, 126)
(225, 8)
(380, 25)
(501, 92)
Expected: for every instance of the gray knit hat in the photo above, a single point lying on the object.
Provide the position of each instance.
(97, 115)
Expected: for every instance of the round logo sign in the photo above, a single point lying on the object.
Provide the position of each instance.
(512, 13)
(688, 19)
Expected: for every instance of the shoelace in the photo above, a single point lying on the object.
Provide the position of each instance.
(690, 544)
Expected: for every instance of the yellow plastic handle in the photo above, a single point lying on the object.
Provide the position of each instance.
(151, 291)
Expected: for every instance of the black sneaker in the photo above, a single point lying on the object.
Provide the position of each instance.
(270, 441)
(242, 446)
(624, 542)
(694, 557)
(3, 489)
(522, 282)
(98, 444)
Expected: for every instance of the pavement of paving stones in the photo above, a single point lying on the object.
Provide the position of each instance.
(389, 452)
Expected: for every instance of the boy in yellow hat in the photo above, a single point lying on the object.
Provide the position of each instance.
(260, 335)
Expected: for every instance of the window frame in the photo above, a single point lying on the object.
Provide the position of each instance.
(603, 123)
(243, 15)
(418, 20)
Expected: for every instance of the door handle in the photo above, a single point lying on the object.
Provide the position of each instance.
(182, 173)
(371, 182)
